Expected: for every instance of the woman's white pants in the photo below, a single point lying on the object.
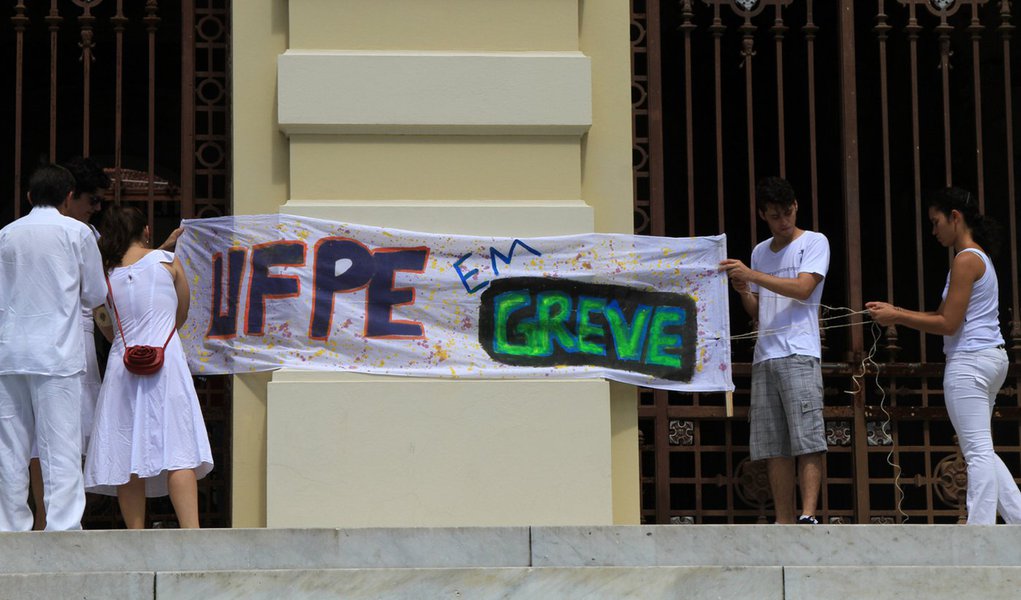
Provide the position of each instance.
(970, 384)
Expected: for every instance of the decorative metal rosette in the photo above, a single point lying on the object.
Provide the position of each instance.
(682, 433)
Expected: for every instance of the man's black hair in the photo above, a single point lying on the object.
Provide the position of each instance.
(50, 185)
(88, 176)
(774, 190)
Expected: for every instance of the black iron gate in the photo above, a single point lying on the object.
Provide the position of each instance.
(863, 106)
(142, 88)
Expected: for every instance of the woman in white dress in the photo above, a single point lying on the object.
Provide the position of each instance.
(148, 437)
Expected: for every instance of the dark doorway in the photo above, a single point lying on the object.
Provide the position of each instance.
(142, 88)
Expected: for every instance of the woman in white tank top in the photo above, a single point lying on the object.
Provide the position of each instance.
(976, 367)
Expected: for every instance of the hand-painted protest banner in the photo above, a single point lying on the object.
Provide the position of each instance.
(273, 291)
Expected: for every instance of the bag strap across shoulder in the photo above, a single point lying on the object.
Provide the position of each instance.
(117, 317)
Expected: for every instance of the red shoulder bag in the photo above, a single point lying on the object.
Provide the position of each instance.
(140, 360)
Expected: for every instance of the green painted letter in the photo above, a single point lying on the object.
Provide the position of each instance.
(552, 309)
(659, 340)
(586, 306)
(505, 304)
(628, 339)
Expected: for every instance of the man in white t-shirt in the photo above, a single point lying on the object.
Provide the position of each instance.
(782, 291)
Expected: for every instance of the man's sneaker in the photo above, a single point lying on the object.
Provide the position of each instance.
(807, 520)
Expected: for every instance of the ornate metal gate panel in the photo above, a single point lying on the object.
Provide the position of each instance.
(142, 88)
(863, 106)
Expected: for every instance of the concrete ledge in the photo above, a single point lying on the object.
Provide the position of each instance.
(242, 549)
(323, 91)
(758, 583)
(803, 551)
(820, 545)
(109, 586)
(895, 583)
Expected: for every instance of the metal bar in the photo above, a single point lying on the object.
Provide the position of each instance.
(852, 231)
(639, 128)
(654, 57)
(662, 454)
(824, 489)
(687, 26)
(20, 21)
(187, 182)
(747, 52)
(718, 29)
(810, 30)
(54, 19)
(119, 21)
(927, 442)
(882, 30)
(944, 29)
(730, 466)
(699, 510)
(151, 24)
(85, 21)
(933, 413)
(912, 30)
(976, 29)
(870, 411)
(661, 402)
(1006, 29)
(778, 34)
(895, 452)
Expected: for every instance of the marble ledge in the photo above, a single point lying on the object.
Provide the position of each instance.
(109, 586)
(738, 583)
(768, 545)
(245, 549)
(896, 583)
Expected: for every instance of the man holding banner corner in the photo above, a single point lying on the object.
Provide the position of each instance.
(782, 291)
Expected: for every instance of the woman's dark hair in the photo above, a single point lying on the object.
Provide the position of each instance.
(121, 226)
(984, 230)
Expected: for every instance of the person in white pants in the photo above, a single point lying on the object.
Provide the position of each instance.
(49, 268)
(90, 183)
(968, 319)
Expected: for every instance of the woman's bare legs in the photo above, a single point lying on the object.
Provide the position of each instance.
(184, 495)
(131, 497)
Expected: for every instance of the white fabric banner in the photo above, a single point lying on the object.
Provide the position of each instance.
(272, 291)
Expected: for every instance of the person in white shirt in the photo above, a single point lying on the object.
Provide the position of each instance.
(90, 184)
(968, 318)
(50, 268)
(782, 291)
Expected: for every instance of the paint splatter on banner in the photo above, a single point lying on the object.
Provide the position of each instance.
(273, 291)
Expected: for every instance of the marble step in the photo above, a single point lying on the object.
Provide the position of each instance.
(486, 547)
(778, 545)
(562, 583)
